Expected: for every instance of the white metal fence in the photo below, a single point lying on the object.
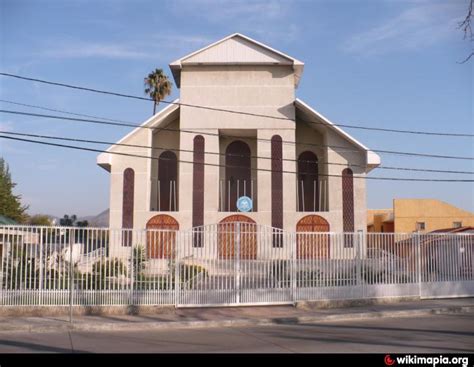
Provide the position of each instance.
(226, 264)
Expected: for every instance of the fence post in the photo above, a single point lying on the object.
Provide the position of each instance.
(40, 278)
(177, 280)
(71, 283)
(358, 236)
(418, 255)
(293, 266)
(132, 271)
(237, 275)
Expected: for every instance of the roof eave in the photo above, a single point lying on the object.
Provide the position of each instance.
(177, 65)
(104, 159)
(372, 159)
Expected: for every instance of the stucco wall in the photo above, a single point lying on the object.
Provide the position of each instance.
(267, 90)
(435, 213)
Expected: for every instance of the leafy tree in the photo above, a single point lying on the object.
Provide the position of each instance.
(68, 221)
(10, 204)
(39, 220)
(82, 223)
(157, 86)
(466, 27)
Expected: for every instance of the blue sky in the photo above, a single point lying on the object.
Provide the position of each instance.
(376, 63)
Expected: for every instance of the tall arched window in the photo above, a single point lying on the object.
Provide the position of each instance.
(277, 189)
(127, 205)
(237, 173)
(167, 181)
(198, 189)
(348, 203)
(308, 182)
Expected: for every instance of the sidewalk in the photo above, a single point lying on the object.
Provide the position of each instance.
(232, 316)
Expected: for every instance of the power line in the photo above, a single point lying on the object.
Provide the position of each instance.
(445, 134)
(426, 155)
(221, 165)
(225, 154)
(62, 111)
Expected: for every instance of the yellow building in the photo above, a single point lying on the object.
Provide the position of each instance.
(423, 215)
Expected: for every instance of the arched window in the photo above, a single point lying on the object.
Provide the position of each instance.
(198, 190)
(348, 204)
(308, 182)
(167, 181)
(277, 189)
(237, 173)
(127, 205)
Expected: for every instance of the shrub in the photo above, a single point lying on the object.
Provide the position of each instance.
(109, 267)
(188, 272)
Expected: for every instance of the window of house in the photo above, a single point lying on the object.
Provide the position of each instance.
(128, 205)
(277, 190)
(420, 226)
(457, 224)
(198, 191)
(308, 182)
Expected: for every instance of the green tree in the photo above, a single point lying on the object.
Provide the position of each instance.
(39, 220)
(68, 221)
(157, 86)
(10, 204)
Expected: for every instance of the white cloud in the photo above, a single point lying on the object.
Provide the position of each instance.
(223, 10)
(418, 26)
(101, 50)
(161, 44)
(267, 20)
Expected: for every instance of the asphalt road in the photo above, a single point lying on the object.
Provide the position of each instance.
(433, 334)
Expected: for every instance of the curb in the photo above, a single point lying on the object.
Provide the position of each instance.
(141, 326)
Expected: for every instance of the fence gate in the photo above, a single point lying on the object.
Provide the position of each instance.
(233, 263)
(446, 265)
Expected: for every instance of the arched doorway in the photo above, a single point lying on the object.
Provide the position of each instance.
(237, 173)
(227, 230)
(167, 182)
(312, 245)
(161, 242)
(308, 182)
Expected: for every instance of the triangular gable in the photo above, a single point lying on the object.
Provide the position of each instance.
(373, 159)
(236, 49)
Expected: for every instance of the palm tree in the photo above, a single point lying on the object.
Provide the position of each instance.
(157, 86)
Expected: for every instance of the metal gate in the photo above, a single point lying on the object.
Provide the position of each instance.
(446, 265)
(233, 264)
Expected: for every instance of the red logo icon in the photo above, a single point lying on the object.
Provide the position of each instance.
(389, 361)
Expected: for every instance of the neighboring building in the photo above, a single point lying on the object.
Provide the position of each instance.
(178, 191)
(418, 215)
(10, 234)
(5, 221)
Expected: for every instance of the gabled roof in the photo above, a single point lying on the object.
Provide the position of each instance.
(373, 159)
(105, 160)
(236, 49)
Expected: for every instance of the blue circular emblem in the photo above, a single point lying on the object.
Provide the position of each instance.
(244, 204)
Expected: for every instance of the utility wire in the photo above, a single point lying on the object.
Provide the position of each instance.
(62, 138)
(62, 111)
(234, 136)
(234, 111)
(221, 165)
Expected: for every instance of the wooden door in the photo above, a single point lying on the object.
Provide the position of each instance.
(161, 244)
(228, 237)
(312, 245)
